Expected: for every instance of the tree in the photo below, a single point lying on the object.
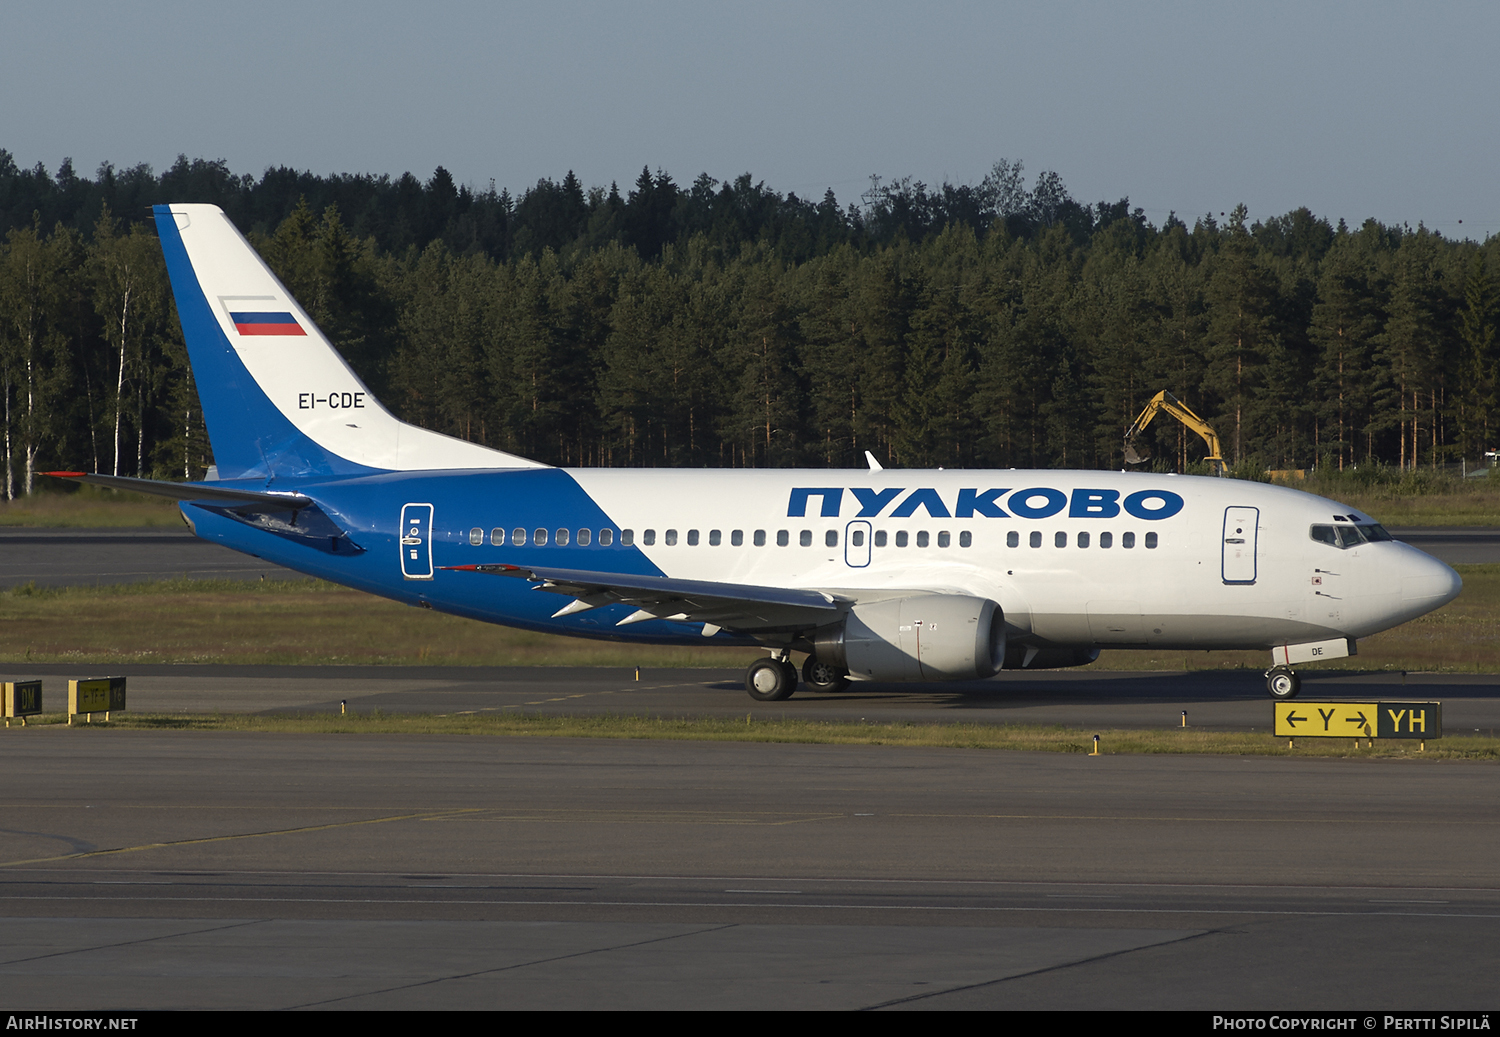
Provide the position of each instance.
(1478, 358)
(128, 278)
(37, 277)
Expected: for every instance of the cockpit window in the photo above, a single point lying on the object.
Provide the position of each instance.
(1345, 537)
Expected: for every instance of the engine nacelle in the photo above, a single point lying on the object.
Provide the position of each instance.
(931, 637)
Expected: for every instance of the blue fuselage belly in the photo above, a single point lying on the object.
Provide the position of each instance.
(369, 509)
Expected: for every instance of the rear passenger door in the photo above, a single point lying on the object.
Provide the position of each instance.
(416, 541)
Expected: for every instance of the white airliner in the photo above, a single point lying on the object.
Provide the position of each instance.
(877, 575)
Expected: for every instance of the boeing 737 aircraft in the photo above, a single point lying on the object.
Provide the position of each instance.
(876, 575)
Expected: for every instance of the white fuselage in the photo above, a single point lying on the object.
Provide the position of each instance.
(1191, 589)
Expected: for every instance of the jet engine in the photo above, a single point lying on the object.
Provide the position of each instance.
(928, 637)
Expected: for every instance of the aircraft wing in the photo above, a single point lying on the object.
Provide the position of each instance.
(190, 491)
(733, 606)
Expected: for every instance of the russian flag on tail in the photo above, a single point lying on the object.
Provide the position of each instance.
(266, 323)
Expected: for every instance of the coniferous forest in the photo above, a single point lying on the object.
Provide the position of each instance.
(1000, 324)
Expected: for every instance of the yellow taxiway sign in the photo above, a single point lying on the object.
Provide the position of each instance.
(1359, 719)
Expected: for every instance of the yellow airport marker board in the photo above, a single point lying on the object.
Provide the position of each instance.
(22, 698)
(96, 695)
(1420, 720)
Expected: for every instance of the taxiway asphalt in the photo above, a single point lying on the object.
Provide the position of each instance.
(1234, 700)
(195, 870)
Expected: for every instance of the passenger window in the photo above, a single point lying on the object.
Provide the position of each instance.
(922, 538)
(562, 538)
(857, 538)
(901, 538)
(1036, 538)
(1127, 539)
(539, 537)
(831, 539)
(760, 538)
(715, 538)
(476, 536)
(671, 538)
(944, 539)
(806, 538)
(692, 538)
(627, 537)
(880, 538)
(1013, 539)
(966, 539)
(497, 537)
(518, 537)
(1106, 540)
(648, 537)
(737, 538)
(783, 538)
(1083, 540)
(607, 537)
(1150, 541)
(1060, 540)
(584, 536)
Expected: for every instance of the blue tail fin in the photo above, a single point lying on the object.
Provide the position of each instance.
(278, 400)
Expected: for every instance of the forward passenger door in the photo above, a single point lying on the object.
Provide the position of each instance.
(1240, 535)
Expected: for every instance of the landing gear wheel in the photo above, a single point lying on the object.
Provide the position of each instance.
(1282, 683)
(822, 677)
(770, 680)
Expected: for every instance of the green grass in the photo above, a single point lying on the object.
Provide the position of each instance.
(311, 622)
(87, 507)
(1420, 497)
(302, 622)
(753, 728)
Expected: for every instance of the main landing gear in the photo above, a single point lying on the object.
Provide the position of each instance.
(771, 680)
(1282, 683)
(823, 677)
(775, 678)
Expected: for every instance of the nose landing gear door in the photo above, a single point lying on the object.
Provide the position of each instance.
(416, 541)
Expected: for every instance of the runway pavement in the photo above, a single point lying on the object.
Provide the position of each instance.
(74, 557)
(261, 871)
(1456, 545)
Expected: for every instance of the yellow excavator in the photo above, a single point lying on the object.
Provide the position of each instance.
(1165, 401)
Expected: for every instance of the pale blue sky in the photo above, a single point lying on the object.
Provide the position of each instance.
(1352, 109)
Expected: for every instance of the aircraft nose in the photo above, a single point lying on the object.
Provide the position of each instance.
(1427, 583)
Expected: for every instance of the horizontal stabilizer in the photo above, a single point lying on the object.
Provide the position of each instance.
(190, 490)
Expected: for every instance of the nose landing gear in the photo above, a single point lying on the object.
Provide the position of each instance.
(1282, 683)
